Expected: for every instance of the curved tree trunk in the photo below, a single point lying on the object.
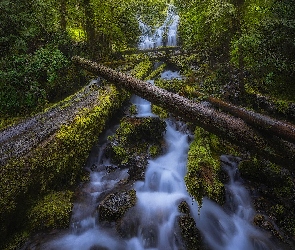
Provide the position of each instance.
(230, 128)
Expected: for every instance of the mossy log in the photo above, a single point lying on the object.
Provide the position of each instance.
(266, 123)
(43, 158)
(229, 127)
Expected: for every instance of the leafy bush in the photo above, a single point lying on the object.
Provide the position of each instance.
(28, 81)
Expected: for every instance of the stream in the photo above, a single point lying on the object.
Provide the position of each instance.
(154, 217)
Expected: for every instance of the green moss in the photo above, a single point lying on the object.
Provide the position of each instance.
(18, 240)
(6, 121)
(191, 236)
(156, 72)
(54, 165)
(202, 178)
(282, 105)
(132, 110)
(155, 150)
(142, 69)
(159, 111)
(275, 186)
(134, 137)
(278, 181)
(52, 211)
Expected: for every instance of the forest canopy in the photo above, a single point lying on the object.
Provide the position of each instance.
(249, 40)
(255, 37)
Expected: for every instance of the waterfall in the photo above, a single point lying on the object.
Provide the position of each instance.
(150, 39)
(230, 227)
(154, 217)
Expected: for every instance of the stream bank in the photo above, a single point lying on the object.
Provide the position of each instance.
(46, 166)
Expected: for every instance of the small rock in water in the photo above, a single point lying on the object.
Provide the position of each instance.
(96, 247)
(115, 205)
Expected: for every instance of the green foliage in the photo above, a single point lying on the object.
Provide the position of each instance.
(19, 90)
(207, 25)
(77, 34)
(28, 82)
(151, 12)
(34, 46)
(141, 70)
(174, 85)
(254, 36)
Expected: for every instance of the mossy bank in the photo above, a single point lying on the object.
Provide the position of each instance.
(271, 186)
(37, 188)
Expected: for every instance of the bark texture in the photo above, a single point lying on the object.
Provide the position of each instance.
(229, 127)
(265, 123)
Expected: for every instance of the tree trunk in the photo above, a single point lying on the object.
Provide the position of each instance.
(90, 27)
(63, 13)
(230, 128)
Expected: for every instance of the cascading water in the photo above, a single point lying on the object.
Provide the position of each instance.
(154, 217)
(150, 39)
(231, 227)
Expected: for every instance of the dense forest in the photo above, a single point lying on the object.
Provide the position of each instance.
(249, 42)
(238, 51)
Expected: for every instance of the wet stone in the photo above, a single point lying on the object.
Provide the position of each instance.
(137, 168)
(190, 234)
(96, 247)
(150, 235)
(115, 205)
(127, 226)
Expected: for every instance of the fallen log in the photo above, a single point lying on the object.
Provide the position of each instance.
(266, 123)
(228, 127)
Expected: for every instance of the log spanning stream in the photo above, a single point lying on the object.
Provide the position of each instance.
(154, 217)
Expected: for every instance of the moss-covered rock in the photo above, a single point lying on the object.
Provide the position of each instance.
(159, 111)
(134, 137)
(127, 226)
(273, 192)
(115, 205)
(190, 234)
(202, 178)
(56, 164)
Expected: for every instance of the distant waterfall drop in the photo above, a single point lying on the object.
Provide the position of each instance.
(165, 35)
